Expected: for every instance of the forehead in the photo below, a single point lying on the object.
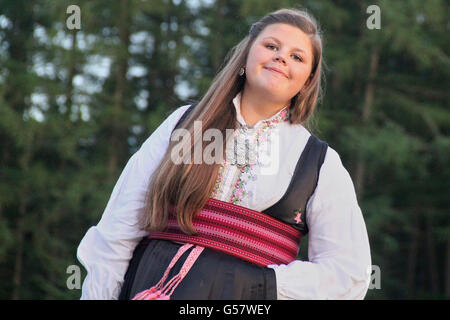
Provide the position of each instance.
(289, 35)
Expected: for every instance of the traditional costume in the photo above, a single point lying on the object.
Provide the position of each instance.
(248, 232)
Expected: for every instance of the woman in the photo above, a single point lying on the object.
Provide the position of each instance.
(158, 239)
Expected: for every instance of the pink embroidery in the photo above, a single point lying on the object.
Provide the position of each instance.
(297, 218)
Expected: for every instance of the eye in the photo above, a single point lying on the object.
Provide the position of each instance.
(298, 58)
(269, 46)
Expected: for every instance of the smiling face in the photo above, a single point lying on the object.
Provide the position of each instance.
(283, 47)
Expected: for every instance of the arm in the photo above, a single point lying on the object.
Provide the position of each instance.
(339, 265)
(106, 249)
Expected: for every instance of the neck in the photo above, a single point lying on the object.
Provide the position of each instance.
(255, 107)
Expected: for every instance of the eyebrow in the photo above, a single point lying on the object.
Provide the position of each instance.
(295, 49)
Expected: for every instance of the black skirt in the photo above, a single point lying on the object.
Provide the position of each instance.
(214, 276)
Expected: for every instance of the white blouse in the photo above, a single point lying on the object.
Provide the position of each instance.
(339, 265)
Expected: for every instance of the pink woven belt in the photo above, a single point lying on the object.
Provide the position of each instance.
(241, 232)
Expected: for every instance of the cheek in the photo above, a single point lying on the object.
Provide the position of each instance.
(258, 58)
(301, 73)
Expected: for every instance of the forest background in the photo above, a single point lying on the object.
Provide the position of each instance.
(76, 104)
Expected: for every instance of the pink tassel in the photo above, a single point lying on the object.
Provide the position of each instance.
(158, 292)
(148, 294)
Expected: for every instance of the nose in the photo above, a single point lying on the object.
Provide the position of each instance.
(280, 58)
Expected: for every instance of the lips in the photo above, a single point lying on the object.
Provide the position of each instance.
(277, 70)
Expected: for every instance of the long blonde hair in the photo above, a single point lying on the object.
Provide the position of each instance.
(189, 186)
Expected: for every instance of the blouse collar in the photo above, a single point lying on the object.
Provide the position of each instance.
(280, 116)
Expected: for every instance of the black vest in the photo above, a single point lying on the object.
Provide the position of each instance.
(302, 185)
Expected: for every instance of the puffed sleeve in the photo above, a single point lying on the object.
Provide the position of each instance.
(339, 265)
(106, 249)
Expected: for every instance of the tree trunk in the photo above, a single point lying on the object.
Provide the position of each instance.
(366, 112)
(216, 54)
(120, 87)
(24, 163)
(17, 275)
(72, 72)
(15, 94)
(412, 255)
(432, 267)
(447, 272)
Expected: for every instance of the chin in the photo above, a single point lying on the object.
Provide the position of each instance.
(266, 85)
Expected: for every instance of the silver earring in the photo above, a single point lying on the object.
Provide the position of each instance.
(241, 71)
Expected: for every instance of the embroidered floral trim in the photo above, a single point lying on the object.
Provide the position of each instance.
(282, 116)
(245, 168)
(238, 191)
(219, 179)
